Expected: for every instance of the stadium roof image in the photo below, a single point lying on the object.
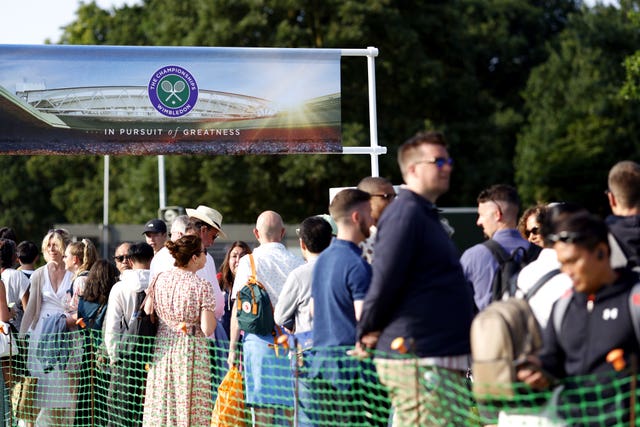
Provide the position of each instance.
(131, 103)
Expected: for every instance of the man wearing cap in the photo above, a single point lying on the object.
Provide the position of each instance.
(163, 260)
(155, 231)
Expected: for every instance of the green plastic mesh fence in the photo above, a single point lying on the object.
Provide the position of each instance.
(74, 379)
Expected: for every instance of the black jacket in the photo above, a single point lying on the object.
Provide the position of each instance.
(586, 337)
(578, 352)
(626, 230)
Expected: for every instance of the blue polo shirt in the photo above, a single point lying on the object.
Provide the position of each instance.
(340, 277)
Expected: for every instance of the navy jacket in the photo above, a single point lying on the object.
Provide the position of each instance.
(418, 290)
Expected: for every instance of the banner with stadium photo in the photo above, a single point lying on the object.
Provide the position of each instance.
(61, 99)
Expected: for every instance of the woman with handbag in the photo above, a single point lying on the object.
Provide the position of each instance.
(184, 306)
(50, 361)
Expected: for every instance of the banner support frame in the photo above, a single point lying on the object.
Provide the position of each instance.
(374, 150)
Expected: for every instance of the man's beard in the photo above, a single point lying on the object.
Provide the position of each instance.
(364, 228)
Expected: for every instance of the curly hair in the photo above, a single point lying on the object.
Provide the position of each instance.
(538, 211)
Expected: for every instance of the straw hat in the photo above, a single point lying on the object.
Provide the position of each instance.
(209, 216)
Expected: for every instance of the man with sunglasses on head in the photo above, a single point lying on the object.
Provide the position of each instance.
(382, 194)
(586, 324)
(498, 208)
(419, 294)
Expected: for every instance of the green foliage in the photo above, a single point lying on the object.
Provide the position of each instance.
(459, 66)
(631, 88)
(578, 126)
(24, 200)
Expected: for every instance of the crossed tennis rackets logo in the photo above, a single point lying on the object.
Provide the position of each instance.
(173, 91)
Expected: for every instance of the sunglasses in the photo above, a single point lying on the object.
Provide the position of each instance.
(566, 237)
(386, 196)
(121, 258)
(535, 231)
(438, 161)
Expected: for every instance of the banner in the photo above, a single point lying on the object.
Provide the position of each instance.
(61, 99)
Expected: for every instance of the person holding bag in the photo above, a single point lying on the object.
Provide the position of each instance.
(184, 306)
(51, 286)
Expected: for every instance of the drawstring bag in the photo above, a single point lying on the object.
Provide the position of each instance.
(229, 408)
(23, 398)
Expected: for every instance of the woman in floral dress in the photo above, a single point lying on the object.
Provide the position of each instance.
(178, 391)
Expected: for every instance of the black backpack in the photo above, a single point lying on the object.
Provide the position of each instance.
(509, 266)
(138, 339)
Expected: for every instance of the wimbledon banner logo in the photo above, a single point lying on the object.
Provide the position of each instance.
(173, 91)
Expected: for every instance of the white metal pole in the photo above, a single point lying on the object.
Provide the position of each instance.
(162, 195)
(105, 210)
(374, 150)
(373, 117)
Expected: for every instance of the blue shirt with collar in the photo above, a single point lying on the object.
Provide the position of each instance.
(480, 266)
(340, 277)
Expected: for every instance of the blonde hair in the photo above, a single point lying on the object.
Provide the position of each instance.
(86, 251)
(61, 239)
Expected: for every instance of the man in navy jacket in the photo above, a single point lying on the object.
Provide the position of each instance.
(418, 292)
(587, 324)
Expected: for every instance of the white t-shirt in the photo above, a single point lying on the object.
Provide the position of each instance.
(555, 287)
(16, 285)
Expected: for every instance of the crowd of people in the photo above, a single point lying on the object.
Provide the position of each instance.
(379, 276)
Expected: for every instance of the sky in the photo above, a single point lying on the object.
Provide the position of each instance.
(20, 25)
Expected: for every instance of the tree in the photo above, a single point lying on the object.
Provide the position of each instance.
(631, 88)
(578, 125)
(457, 66)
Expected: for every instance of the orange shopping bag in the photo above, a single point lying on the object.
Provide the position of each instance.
(229, 408)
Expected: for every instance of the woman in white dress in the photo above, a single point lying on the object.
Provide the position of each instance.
(48, 305)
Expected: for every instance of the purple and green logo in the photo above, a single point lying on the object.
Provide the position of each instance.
(173, 91)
